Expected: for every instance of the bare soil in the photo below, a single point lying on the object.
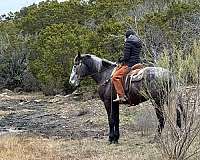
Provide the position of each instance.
(66, 117)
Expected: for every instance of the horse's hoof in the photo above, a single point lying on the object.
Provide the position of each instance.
(110, 141)
(115, 142)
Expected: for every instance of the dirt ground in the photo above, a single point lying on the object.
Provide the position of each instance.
(67, 117)
(71, 127)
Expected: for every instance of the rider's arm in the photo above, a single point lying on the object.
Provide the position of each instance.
(127, 52)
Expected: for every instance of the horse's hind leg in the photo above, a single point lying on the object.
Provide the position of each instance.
(160, 116)
(161, 120)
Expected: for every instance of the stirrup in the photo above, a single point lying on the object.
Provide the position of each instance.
(120, 99)
(117, 99)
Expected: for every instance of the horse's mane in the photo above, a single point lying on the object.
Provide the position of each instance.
(107, 63)
(104, 62)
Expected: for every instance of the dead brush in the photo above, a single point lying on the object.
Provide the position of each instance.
(183, 144)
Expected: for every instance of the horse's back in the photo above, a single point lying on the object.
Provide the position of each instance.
(149, 80)
(150, 73)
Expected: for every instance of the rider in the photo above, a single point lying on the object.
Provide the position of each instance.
(131, 56)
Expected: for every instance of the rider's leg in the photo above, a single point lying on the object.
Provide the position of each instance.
(117, 82)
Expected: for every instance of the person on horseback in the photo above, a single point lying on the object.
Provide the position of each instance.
(131, 56)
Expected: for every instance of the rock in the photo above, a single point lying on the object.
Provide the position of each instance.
(5, 96)
(76, 98)
(38, 100)
(69, 95)
(59, 96)
(18, 90)
(7, 92)
(77, 93)
(21, 103)
(54, 100)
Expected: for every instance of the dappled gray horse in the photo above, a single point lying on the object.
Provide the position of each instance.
(154, 83)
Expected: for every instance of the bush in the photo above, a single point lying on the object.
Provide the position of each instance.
(185, 66)
(182, 144)
(13, 58)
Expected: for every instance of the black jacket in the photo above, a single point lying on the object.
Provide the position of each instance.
(132, 49)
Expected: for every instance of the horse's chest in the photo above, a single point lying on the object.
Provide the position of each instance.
(104, 91)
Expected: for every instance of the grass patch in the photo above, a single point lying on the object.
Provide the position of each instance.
(13, 147)
(23, 147)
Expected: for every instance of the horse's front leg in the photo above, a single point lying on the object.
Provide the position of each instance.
(115, 116)
(111, 121)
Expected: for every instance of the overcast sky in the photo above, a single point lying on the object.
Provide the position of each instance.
(15, 5)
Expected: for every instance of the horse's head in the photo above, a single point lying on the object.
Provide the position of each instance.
(89, 65)
(80, 69)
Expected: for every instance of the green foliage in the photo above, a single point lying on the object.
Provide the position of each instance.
(169, 21)
(52, 33)
(54, 47)
(185, 67)
(14, 53)
(35, 18)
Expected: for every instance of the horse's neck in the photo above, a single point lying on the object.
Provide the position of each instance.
(102, 73)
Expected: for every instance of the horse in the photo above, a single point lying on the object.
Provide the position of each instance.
(155, 84)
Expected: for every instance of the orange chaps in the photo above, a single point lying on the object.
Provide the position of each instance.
(117, 79)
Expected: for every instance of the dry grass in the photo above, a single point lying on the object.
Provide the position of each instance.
(4, 113)
(13, 147)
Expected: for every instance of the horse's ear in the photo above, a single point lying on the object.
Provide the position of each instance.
(79, 55)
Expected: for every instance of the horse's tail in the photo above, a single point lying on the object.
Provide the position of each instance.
(180, 110)
(176, 93)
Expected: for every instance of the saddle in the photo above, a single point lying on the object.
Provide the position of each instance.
(135, 74)
(135, 69)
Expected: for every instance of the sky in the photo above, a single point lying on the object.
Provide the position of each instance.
(15, 5)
